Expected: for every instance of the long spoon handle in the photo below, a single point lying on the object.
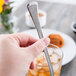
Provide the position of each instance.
(32, 8)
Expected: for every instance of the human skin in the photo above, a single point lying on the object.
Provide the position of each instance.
(17, 51)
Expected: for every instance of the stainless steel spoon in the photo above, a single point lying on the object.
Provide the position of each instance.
(32, 8)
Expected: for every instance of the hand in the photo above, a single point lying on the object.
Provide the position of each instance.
(17, 51)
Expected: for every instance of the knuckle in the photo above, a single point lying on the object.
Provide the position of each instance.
(39, 46)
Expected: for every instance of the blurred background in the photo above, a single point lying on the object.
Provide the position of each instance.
(60, 16)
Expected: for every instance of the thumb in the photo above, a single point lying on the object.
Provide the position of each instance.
(38, 46)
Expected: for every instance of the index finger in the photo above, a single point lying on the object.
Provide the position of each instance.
(24, 39)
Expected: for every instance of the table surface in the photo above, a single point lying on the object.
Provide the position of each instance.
(60, 17)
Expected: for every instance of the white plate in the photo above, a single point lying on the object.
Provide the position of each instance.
(69, 48)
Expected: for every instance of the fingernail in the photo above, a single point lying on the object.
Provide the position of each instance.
(47, 41)
(32, 65)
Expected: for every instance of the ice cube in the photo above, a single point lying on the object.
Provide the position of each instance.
(33, 72)
(55, 67)
(54, 58)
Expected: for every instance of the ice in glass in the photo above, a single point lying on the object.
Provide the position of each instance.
(41, 67)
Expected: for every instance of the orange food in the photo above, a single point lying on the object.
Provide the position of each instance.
(41, 67)
(40, 14)
(56, 39)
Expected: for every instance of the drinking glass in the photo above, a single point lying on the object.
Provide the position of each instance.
(40, 64)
